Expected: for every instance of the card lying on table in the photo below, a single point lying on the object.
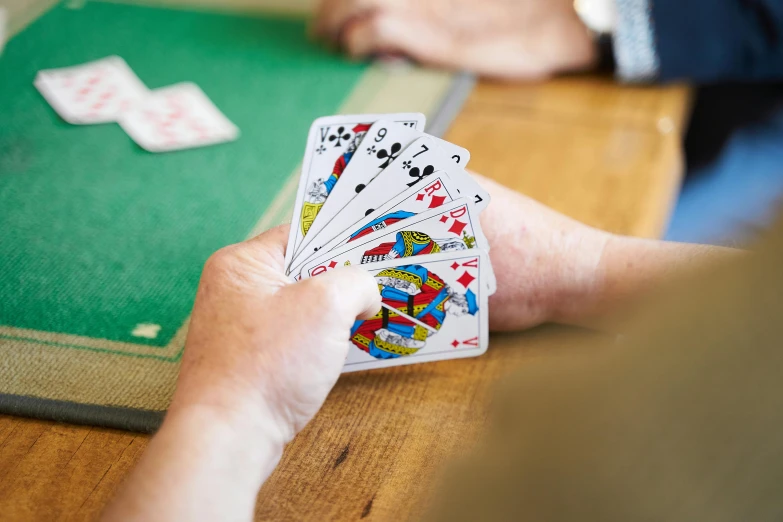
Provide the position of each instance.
(177, 117)
(94, 92)
(378, 193)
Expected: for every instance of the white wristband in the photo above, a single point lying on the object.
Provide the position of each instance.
(600, 16)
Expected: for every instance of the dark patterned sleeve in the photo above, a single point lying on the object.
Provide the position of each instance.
(703, 41)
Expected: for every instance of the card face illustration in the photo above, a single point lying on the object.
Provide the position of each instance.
(434, 308)
(450, 227)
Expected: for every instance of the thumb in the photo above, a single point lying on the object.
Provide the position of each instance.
(348, 291)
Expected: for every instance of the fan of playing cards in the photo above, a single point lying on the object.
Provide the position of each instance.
(377, 192)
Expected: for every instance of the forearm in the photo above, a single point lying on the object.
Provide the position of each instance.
(199, 466)
(628, 270)
(551, 268)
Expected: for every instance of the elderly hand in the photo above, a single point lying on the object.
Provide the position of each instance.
(261, 343)
(515, 39)
(551, 268)
(261, 356)
(548, 266)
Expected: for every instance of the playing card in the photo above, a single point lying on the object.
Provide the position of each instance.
(331, 144)
(447, 228)
(383, 143)
(419, 160)
(95, 92)
(434, 308)
(439, 189)
(177, 117)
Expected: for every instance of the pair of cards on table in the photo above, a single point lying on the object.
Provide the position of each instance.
(376, 192)
(176, 117)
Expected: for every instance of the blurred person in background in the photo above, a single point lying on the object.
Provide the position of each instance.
(732, 48)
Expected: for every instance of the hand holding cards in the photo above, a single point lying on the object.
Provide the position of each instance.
(378, 193)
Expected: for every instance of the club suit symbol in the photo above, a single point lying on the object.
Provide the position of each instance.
(417, 173)
(341, 135)
(319, 190)
(389, 155)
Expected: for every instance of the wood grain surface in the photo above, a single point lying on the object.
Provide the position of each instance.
(605, 154)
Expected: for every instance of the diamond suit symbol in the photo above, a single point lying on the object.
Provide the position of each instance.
(419, 196)
(437, 201)
(455, 343)
(465, 279)
(457, 227)
(332, 264)
(454, 265)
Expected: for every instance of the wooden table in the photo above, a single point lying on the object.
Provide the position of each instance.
(604, 154)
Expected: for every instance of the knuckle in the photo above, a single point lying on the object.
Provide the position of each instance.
(329, 297)
(221, 262)
(322, 293)
(361, 34)
(375, 26)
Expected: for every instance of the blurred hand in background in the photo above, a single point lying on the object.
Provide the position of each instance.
(514, 39)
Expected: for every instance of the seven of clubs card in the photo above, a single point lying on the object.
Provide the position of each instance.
(405, 210)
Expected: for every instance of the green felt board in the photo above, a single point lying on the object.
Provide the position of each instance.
(98, 235)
